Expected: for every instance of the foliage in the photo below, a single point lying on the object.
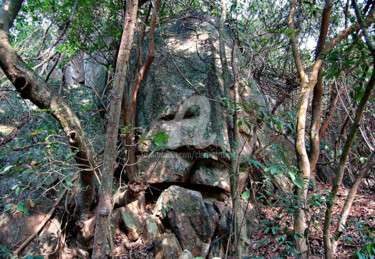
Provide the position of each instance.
(368, 241)
(38, 162)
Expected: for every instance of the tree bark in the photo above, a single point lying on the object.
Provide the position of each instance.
(307, 88)
(129, 108)
(328, 249)
(331, 113)
(235, 158)
(349, 200)
(225, 71)
(300, 224)
(316, 111)
(31, 86)
(232, 129)
(342, 164)
(105, 198)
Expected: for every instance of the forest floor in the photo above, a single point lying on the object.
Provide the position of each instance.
(274, 238)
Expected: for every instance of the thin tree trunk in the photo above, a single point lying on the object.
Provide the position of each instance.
(328, 249)
(342, 165)
(31, 86)
(307, 88)
(225, 74)
(303, 160)
(232, 129)
(236, 157)
(105, 198)
(349, 200)
(129, 110)
(317, 94)
(331, 113)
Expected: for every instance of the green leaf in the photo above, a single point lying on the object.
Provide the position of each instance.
(161, 140)
(68, 182)
(246, 195)
(18, 190)
(22, 208)
(164, 212)
(5, 169)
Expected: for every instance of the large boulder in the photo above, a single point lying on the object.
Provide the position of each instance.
(178, 92)
(211, 173)
(186, 214)
(164, 167)
(183, 97)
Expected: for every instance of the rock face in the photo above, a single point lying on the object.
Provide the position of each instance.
(165, 167)
(176, 96)
(182, 97)
(185, 212)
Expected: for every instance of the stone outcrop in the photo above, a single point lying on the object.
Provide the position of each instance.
(186, 211)
(186, 214)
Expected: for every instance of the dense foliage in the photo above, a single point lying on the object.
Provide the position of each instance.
(38, 160)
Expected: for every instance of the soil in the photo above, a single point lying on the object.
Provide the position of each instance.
(274, 234)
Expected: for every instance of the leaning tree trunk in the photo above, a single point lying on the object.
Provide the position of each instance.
(350, 199)
(105, 198)
(328, 248)
(308, 84)
(31, 86)
(342, 164)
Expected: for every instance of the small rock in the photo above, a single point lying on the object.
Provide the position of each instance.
(186, 254)
(151, 229)
(132, 224)
(167, 247)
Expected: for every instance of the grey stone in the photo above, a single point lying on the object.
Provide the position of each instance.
(75, 71)
(186, 254)
(164, 167)
(188, 218)
(151, 229)
(95, 77)
(133, 224)
(211, 173)
(173, 105)
(167, 247)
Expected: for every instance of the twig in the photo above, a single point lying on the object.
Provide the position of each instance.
(43, 223)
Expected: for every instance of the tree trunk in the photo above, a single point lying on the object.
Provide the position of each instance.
(316, 111)
(307, 88)
(235, 160)
(342, 164)
(31, 86)
(225, 72)
(300, 224)
(105, 198)
(349, 200)
(129, 110)
(328, 249)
